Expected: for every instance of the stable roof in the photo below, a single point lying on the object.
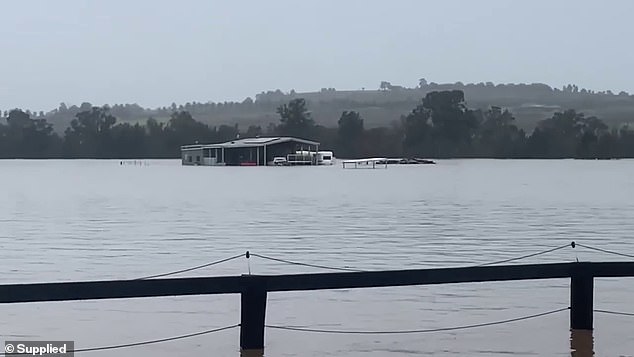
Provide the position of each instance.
(249, 142)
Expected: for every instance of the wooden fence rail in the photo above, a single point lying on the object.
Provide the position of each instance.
(254, 288)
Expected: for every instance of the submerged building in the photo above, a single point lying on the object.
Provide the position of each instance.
(260, 151)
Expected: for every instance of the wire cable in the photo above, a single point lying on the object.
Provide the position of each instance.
(143, 343)
(527, 255)
(191, 269)
(605, 250)
(550, 250)
(304, 264)
(573, 244)
(464, 327)
(614, 312)
(150, 342)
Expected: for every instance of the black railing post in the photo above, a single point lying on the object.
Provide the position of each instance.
(253, 310)
(581, 298)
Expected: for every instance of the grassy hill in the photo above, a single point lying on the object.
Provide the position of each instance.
(528, 102)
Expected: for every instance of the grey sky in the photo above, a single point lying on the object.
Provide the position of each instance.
(158, 52)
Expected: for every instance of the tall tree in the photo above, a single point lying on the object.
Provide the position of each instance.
(89, 135)
(453, 124)
(128, 141)
(295, 120)
(498, 136)
(558, 136)
(350, 134)
(417, 133)
(156, 141)
(24, 137)
(183, 129)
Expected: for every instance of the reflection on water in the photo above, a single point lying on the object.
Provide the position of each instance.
(581, 343)
(251, 353)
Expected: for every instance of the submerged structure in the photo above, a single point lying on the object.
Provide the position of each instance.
(259, 151)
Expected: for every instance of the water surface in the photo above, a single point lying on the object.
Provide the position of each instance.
(90, 220)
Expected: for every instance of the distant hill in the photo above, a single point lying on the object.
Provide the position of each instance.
(528, 102)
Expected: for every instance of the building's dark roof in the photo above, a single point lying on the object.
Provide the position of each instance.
(249, 142)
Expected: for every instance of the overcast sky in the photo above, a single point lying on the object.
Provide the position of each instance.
(158, 52)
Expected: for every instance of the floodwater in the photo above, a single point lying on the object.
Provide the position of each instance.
(93, 220)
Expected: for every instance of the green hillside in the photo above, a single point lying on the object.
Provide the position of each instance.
(529, 103)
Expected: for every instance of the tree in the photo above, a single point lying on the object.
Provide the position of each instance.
(592, 137)
(227, 133)
(498, 136)
(182, 129)
(89, 135)
(85, 107)
(385, 85)
(626, 142)
(28, 138)
(384, 141)
(295, 120)
(156, 141)
(350, 134)
(454, 126)
(417, 133)
(128, 141)
(17, 119)
(565, 134)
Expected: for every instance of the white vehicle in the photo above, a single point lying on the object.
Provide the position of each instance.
(279, 161)
(325, 158)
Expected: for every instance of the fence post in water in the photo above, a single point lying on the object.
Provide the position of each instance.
(253, 309)
(581, 298)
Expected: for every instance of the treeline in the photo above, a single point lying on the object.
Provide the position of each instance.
(441, 126)
(378, 106)
(95, 134)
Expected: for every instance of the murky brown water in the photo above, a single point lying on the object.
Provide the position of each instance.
(88, 220)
